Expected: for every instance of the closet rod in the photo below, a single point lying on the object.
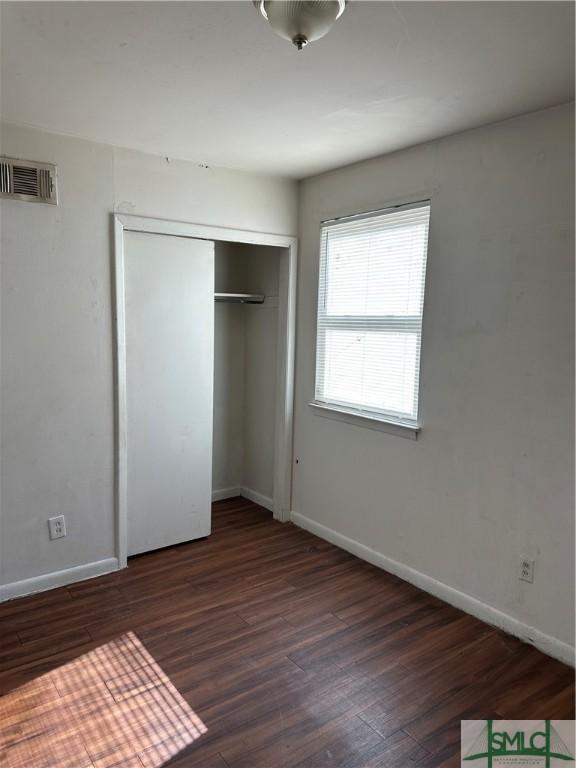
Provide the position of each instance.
(240, 298)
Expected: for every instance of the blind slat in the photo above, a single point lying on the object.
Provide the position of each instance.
(370, 301)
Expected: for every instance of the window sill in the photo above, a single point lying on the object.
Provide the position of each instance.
(365, 420)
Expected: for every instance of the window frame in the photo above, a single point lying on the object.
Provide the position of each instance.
(375, 418)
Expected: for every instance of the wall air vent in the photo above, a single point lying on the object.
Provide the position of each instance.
(28, 181)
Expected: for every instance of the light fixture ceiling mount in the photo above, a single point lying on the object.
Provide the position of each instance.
(301, 21)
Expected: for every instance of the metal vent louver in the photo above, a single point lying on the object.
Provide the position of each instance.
(28, 181)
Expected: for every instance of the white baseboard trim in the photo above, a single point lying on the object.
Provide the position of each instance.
(57, 579)
(545, 643)
(226, 493)
(258, 498)
(247, 493)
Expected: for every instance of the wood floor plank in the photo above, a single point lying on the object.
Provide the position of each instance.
(260, 646)
(350, 743)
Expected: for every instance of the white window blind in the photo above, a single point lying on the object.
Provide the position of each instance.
(371, 295)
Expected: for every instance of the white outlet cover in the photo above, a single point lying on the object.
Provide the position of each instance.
(527, 570)
(57, 527)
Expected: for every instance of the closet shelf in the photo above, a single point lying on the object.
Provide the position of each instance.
(240, 298)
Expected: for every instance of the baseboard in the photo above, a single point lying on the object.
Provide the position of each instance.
(545, 643)
(247, 493)
(226, 493)
(258, 498)
(57, 579)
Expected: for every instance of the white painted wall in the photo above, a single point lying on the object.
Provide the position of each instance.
(491, 476)
(57, 389)
(57, 374)
(245, 370)
(260, 395)
(228, 438)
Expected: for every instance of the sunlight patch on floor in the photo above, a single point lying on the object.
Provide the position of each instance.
(111, 705)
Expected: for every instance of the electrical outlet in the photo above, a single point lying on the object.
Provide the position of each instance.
(57, 527)
(526, 570)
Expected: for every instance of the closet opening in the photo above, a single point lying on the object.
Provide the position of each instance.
(205, 330)
(247, 286)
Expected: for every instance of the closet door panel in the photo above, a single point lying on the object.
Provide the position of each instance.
(169, 302)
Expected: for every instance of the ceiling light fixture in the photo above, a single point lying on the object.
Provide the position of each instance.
(301, 21)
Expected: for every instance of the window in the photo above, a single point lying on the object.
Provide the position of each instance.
(371, 295)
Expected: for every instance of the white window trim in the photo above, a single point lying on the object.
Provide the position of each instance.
(370, 419)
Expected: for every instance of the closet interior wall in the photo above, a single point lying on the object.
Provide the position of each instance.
(245, 340)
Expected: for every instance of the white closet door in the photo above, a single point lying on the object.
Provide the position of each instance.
(169, 295)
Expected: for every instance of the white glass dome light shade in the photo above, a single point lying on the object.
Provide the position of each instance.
(301, 21)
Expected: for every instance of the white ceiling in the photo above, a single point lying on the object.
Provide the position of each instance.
(210, 82)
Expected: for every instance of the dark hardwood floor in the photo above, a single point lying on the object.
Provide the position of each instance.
(261, 646)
